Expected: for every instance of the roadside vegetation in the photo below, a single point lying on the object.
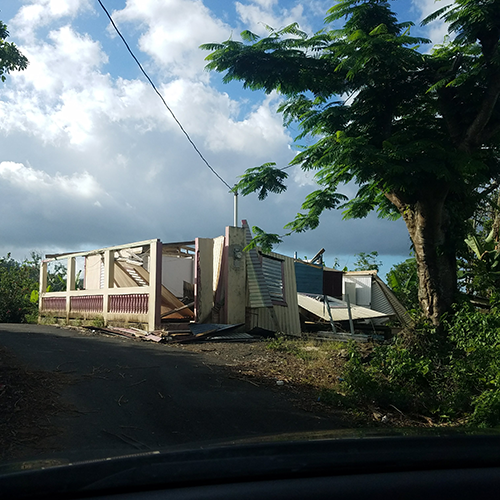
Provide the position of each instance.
(19, 285)
(422, 377)
(18, 290)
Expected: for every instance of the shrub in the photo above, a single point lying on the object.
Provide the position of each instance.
(486, 409)
(453, 374)
(17, 281)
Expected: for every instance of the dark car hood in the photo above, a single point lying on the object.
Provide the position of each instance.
(271, 457)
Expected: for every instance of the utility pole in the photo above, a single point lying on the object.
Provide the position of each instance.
(235, 208)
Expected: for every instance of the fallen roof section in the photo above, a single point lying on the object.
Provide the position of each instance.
(315, 304)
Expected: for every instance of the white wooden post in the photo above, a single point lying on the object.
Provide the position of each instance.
(70, 284)
(203, 279)
(154, 303)
(351, 324)
(109, 281)
(70, 275)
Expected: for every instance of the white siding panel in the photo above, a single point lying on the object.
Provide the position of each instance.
(176, 270)
(363, 288)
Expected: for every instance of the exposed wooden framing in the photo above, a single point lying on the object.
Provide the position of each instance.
(178, 309)
(60, 256)
(122, 278)
(113, 273)
(203, 278)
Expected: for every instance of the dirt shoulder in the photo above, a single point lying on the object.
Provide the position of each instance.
(308, 371)
(299, 368)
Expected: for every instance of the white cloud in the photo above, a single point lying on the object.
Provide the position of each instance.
(40, 13)
(90, 157)
(259, 13)
(304, 178)
(261, 132)
(55, 96)
(66, 60)
(37, 181)
(173, 31)
(436, 30)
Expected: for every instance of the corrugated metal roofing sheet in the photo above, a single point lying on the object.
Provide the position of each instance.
(273, 274)
(258, 293)
(315, 305)
(379, 300)
(397, 307)
(261, 312)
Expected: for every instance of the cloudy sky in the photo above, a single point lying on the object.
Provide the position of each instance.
(90, 157)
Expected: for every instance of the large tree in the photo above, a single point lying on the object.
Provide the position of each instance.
(417, 131)
(11, 59)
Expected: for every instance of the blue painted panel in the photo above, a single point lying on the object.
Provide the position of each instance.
(309, 278)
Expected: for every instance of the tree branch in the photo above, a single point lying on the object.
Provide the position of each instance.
(474, 132)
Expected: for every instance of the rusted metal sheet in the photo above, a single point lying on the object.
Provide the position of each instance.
(53, 303)
(129, 304)
(86, 303)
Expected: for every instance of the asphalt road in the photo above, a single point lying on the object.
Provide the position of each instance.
(128, 396)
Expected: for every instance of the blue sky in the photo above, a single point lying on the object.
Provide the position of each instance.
(89, 157)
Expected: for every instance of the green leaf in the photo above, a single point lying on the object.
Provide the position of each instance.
(248, 36)
(475, 245)
(264, 240)
(264, 180)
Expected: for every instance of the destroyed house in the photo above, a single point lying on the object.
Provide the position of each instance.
(156, 285)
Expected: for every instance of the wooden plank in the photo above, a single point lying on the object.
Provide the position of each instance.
(179, 309)
(122, 278)
(169, 302)
(140, 271)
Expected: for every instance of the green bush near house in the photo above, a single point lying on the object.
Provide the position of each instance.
(17, 282)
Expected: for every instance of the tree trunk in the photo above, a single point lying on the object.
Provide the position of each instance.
(427, 222)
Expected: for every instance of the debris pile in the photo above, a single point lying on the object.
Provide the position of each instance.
(182, 333)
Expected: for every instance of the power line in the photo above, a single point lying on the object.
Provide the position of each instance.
(161, 97)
